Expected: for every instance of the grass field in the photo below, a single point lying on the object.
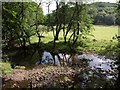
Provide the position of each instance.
(105, 32)
(100, 33)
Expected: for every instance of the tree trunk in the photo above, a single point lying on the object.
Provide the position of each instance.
(58, 31)
(77, 35)
(69, 26)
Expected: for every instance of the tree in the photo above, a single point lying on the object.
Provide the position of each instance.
(118, 56)
(70, 17)
(81, 25)
(17, 20)
(101, 11)
(117, 21)
(109, 20)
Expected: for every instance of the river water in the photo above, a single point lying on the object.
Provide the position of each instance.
(94, 62)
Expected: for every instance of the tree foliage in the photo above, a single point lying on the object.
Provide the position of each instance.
(18, 17)
(70, 17)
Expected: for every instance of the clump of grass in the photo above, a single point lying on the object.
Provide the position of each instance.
(5, 67)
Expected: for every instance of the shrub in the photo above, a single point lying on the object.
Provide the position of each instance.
(5, 67)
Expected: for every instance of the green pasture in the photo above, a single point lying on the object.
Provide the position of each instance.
(100, 32)
(104, 32)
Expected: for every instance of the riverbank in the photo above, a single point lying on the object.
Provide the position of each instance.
(41, 76)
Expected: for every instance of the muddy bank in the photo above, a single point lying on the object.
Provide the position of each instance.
(41, 76)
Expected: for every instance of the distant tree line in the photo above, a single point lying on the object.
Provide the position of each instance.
(104, 13)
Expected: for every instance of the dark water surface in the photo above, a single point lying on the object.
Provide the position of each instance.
(93, 62)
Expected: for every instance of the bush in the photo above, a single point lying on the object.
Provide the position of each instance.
(5, 67)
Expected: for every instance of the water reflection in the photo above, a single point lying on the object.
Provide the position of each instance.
(98, 62)
(95, 62)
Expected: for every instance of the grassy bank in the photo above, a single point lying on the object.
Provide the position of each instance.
(102, 34)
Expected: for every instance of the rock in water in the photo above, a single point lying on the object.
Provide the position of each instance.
(19, 67)
(37, 63)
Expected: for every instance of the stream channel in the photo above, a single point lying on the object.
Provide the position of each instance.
(93, 62)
